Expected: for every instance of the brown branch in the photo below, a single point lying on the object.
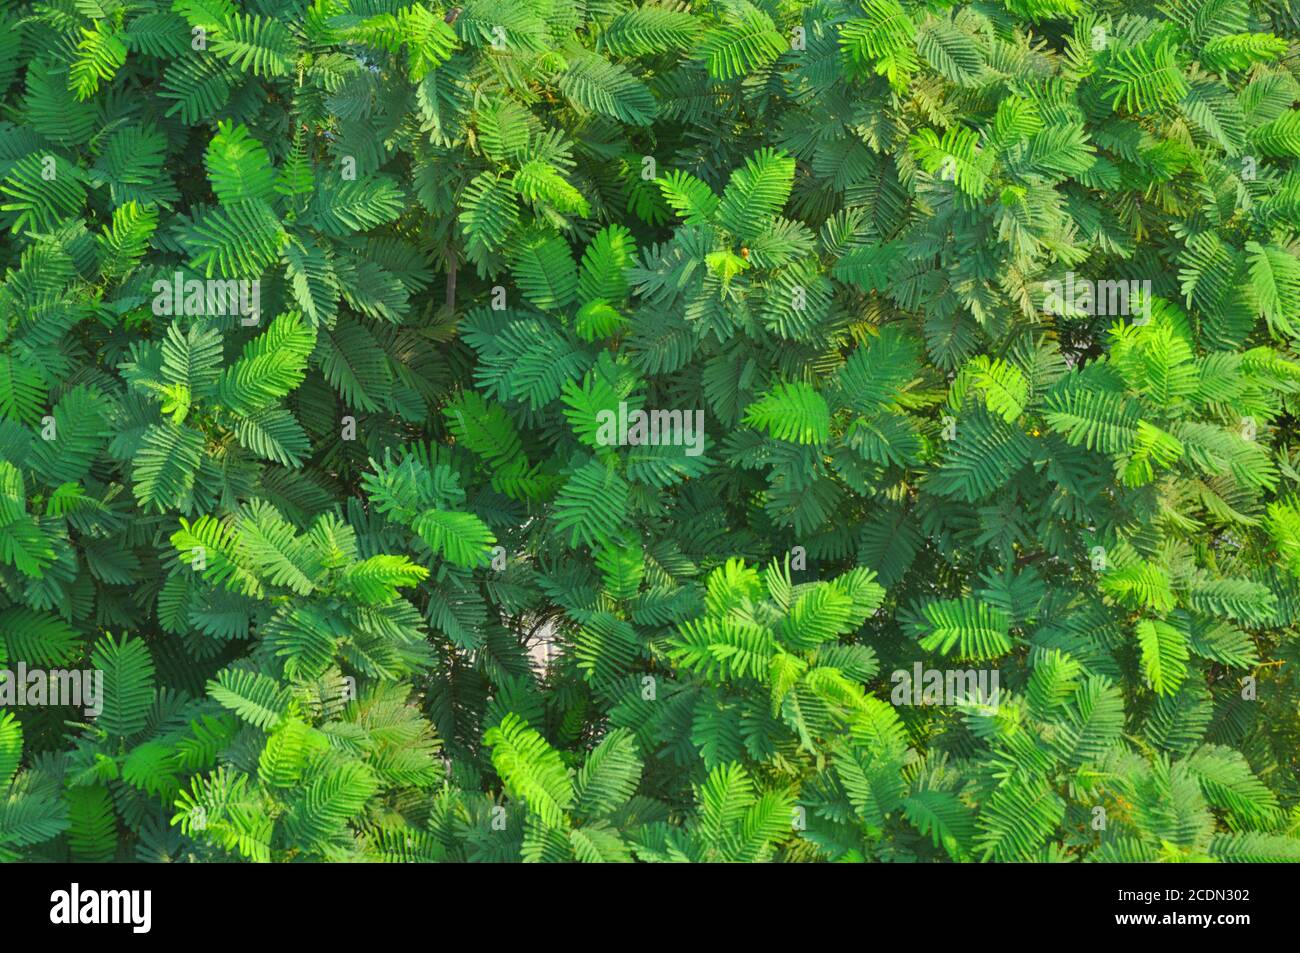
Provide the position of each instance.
(452, 265)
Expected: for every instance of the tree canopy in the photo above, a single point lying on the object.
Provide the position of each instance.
(548, 430)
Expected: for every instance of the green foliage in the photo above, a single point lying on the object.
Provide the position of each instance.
(566, 432)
